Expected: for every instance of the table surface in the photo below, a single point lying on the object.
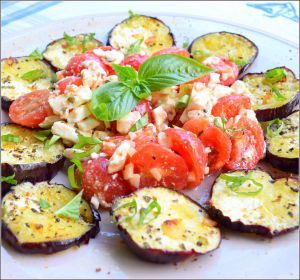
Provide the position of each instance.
(280, 18)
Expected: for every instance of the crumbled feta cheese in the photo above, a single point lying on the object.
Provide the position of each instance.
(88, 124)
(70, 152)
(78, 114)
(94, 75)
(191, 177)
(109, 56)
(163, 139)
(239, 87)
(207, 150)
(206, 170)
(49, 121)
(160, 117)
(128, 171)
(250, 114)
(95, 201)
(66, 131)
(118, 159)
(124, 124)
(156, 173)
(135, 180)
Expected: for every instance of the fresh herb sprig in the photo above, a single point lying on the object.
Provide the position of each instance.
(221, 123)
(273, 76)
(9, 179)
(135, 47)
(11, 138)
(36, 54)
(275, 127)
(34, 75)
(114, 100)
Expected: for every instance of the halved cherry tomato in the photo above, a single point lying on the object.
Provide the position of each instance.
(67, 81)
(174, 50)
(76, 64)
(144, 136)
(160, 166)
(247, 143)
(197, 126)
(229, 106)
(97, 181)
(143, 107)
(31, 109)
(191, 149)
(135, 60)
(228, 70)
(220, 145)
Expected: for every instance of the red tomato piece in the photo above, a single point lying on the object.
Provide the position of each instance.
(31, 109)
(134, 60)
(143, 107)
(191, 149)
(220, 145)
(229, 106)
(204, 79)
(67, 81)
(160, 166)
(226, 68)
(76, 63)
(144, 137)
(173, 50)
(97, 181)
(197, 126)
(247, 144)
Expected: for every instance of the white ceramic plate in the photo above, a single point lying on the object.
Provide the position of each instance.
(240, 256)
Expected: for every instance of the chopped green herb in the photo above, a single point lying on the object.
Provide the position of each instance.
(145, 212)
(44, 204)
(276, 92)
(9, 179)
(34, 75)
(36, 54)
(275, 75)
(221, 122)
(42, 135)
(87, 38)
(132, 14)
(131, 205)
(185, 44)
(94, 149)
(135, 47)
(84, 140)
(183, 101)
(71, 209)
(52, 141)
(239, 62)
(71, 177)
(201, 52)
(54, 78)
(143, 121)
(10, 138)
(70, 39)
(275, 127)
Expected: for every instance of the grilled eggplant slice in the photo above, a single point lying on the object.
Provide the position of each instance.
(252, 201)
(161, 225)
(14, 82)
(282, 139)
(264, 101)
(153, 34)
(29, 159)
(59, 52)
(30, 225)
(235, 47)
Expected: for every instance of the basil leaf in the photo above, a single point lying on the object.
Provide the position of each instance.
(87, 38)
(183, 101)
(9, 179)
(275, 127)
(34, 75)
(71, 177)
(135, 47)
(44, 204)
(42, 135)
(145, 212)
(166, 70)
(112, 101)
(143, 121)
(78, 164)
(52, 141)
(71, 209)
(10, 138)
(70, 39)
(275, 75)
(36, 54)
(125, 73)
(84, 140)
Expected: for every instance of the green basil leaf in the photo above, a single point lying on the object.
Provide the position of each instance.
(52, 141)
(42, 135)
(10, 138)
(125, 73)
(135, 47)
(84, 140)
(112, 101)
(275, 127)
(70, 39)
(36, 54)
(87, 38)
(145, 212)
(183, 101)
(275, 75)
(34, 75)
(71, 209)
(78, 164)
(9, 179)
(71, 177)
(166, 70)
(143, 121)
(44, 204)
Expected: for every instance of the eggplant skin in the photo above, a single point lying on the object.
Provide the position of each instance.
(154, 255)
(243, 68)
(33, 173)
(284, 164)
(5, 103)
